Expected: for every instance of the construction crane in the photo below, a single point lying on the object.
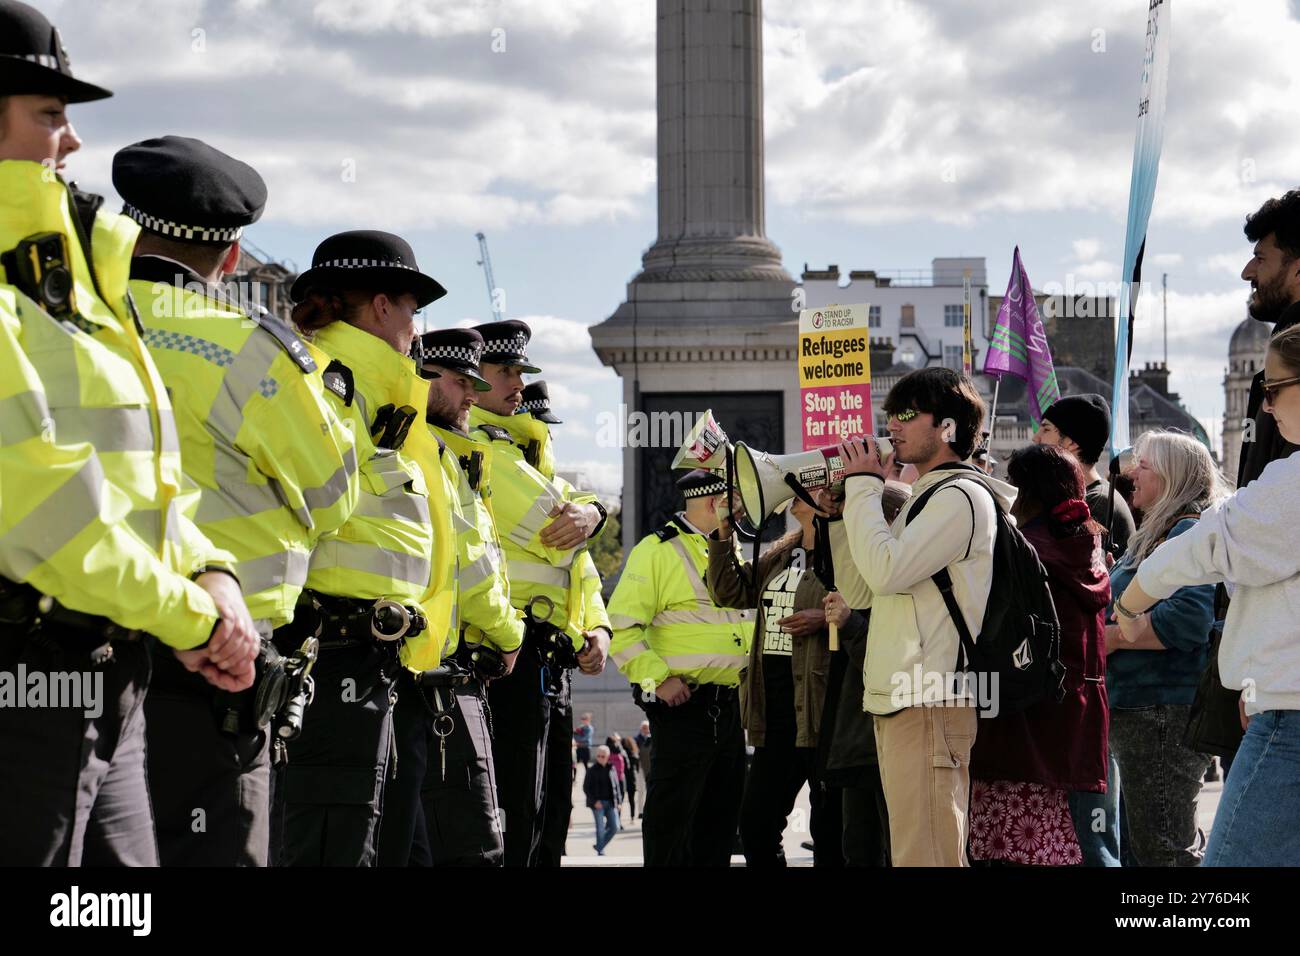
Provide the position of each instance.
(486, 263)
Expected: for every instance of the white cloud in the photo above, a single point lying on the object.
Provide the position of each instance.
(1164, 260)
(1085, 250)
(1226, 263)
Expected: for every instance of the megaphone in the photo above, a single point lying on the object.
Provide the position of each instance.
(767, 481)
(705, 447)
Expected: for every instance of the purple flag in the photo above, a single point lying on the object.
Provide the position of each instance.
(1019, 344)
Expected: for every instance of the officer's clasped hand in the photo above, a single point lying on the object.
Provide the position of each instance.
(591, 659)
(572, 525)
(673, 692)
(229, 658)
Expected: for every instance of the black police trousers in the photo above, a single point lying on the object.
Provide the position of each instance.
(557, 795)
(330, 791)
(432, 819)
(696, 780)
(72, 778)
(521, 718)
(211, 787)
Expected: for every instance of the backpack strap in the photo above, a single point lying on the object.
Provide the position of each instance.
(941, 578)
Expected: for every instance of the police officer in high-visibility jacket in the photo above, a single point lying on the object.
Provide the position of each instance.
(544, 531)
(444, 739)
(683, 655)
(366, 580)
(557, 797)
(95, 550)
(274, 466)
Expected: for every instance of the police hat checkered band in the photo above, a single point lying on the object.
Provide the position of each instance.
(363, 264)
(456, 353)
(515, 345)
(195, 233)
(47, 60)
(704, 491)
(534, 405)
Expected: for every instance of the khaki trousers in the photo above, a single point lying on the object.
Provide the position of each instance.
(924, 757)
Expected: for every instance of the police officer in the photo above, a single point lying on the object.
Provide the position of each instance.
(274, 466)
(544, 528)
(557, 796)
(366, 580)
(444, 742)
(683, 656)
(94, 547)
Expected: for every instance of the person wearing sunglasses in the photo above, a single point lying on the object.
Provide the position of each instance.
(1248, 544)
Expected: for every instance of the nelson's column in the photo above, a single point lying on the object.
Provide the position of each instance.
(708, 321)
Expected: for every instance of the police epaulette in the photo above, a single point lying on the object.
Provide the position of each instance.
(287, 337)
(667, 532)
(496, 433)
(338, 379)
(442, 445)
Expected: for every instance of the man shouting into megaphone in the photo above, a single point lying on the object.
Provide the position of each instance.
(925, 721)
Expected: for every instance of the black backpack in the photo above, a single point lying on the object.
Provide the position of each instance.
(1020, 639)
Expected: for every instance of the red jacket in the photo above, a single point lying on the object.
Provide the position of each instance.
(1060, 745)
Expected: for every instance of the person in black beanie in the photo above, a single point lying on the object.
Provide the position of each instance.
(1080, 424)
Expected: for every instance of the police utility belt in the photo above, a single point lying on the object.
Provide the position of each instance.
(550, 642)
(24, 607)
(355, 622)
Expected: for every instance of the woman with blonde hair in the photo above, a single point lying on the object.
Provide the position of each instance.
(1248, 543)
(1151, 679)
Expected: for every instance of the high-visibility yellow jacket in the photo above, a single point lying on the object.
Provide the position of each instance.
(443, 607)
(521, 501)
(665, 623)
(485, 610)
(90, 471)
(382, 550)
(275, 466)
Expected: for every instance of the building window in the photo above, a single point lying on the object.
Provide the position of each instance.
(908, 317)
(952, 357)
(952, 316)
(873, 316)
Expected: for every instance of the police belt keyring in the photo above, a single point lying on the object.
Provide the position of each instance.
(443, 731)
(715, 712)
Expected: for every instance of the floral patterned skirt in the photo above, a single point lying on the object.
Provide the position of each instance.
(1024, 823)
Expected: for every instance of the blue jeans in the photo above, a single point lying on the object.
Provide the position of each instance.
(606, 825)
(1255, 825)
(1096, 820)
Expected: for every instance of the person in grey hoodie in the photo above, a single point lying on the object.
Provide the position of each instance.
(1247, 542)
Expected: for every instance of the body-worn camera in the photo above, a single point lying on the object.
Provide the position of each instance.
(39, 267)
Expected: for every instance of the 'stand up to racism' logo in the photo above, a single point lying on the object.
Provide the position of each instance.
(817, 320)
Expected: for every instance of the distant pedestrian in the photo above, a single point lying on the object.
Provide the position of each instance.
(643, 744)
(632, 755)
(601, 787)
(585, 735)
(619, 764)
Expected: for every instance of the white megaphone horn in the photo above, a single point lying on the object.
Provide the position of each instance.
(767, 481)
(705, 447)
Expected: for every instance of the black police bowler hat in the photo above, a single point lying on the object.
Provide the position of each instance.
(186, 189)
(452, 350)
(506, 343)
(699, 483)
(537, 402)
(367, 259)
(33, 60)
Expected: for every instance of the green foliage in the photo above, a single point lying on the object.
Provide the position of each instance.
(607, 550)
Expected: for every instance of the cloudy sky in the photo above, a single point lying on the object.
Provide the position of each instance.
(534, 122)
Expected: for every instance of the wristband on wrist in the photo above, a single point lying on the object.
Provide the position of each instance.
(220, 569)
(1122, 611)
